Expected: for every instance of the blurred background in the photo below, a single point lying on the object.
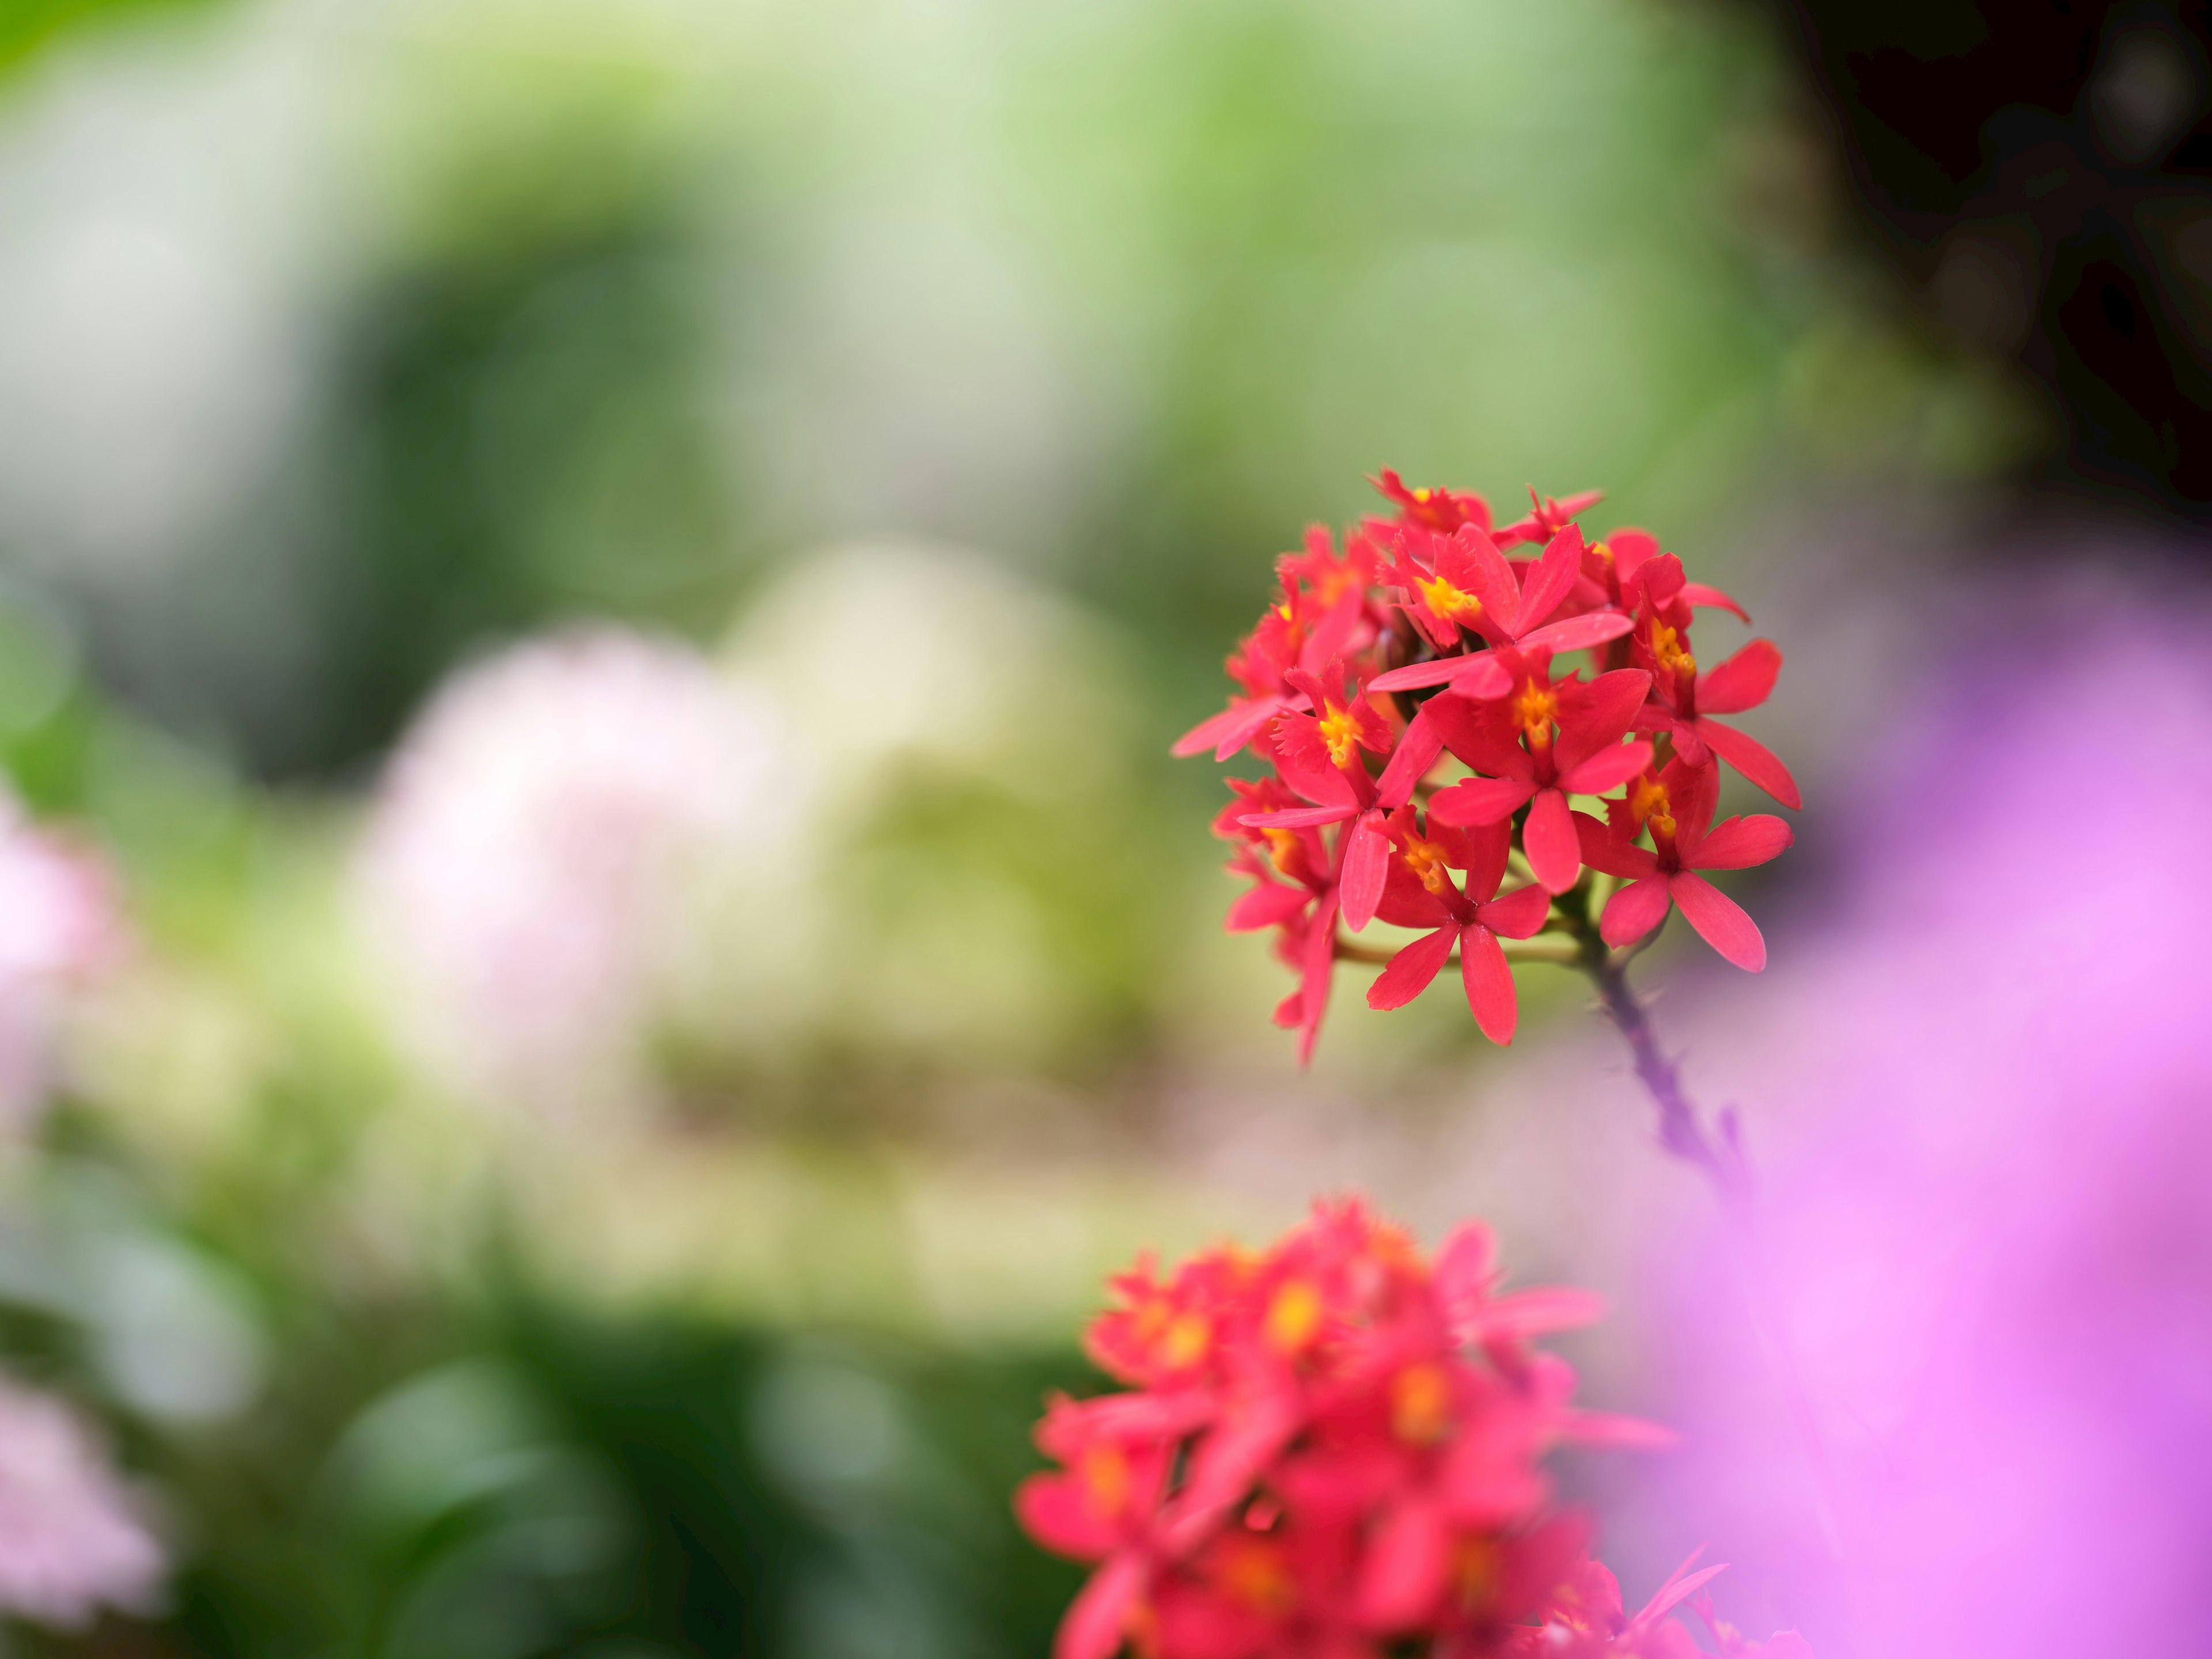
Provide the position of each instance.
(599, 945)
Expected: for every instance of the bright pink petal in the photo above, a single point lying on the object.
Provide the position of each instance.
(1488, 978)
(1404, 1567)
(1318, 970)
(1752, 759)
(1741, 682)
(1634, 911)
(1057, 1511)
(1366, 867)
(1620, 1432)
(1477, 801)
(1549, 582)
(1298, 818)
(1719, 922)
(1681, 1584)
(1465, 1268)
(1099, 1617)
(1334, 632)
(1410, 971)
(1582, 633)
(1268, 905)
(1706, 598)
(1213, 729)
(1606, 770)
(1741, 842)
(1501, 593)
(1539, 1312)
(1438, 671)
(1518, 914)
(1419, 746)
(1602, 850)
(1547, 836)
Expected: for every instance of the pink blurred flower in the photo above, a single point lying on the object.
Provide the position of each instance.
(59, 924)
(536, 841)
(71, 1539)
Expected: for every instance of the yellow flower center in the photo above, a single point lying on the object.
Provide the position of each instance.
(1293, 1317)
(1188, 1336)
(1341, 732)
(1452, 604)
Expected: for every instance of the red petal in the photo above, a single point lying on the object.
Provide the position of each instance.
(1099, 1616)
(1547, 836)
(1752, 758)
(1465, 1268)
(1481, 735)
(1582, 633)
(1719, 922)
(1268, 905)
(1477, 801)
(1438, 671)
(1056, 1510)
(1488, 978)
(1602, 850)
(1553, 575)
(1711, 598)
(1741, 682)
(1417, 752)
(1606, 770)
(1540, 1312)
(1334, 631)
(1518, 914)
(1366, 866)
(1297, 818)
(1634, 911)
(1245, 712)
(1501, 593)
(1410, 971)
(1403, 1568)
(1741, 842)
(1319, 970)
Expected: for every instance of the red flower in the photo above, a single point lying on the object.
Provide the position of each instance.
(1539, 744)
(1440, 510)
(1548, 517)
(1420, 634)
(1676, 806)
(1683, 701)
(1511, 613)
(1326, 1449)
(1421, 893)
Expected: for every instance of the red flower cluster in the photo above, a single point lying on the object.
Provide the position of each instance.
(1426, 638)
(1333, 1451)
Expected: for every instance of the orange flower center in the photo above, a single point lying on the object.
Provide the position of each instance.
(1536, 708)
(1647, 802)
(1187, 1337)
(1420, 1405)
(1282, 847)
(1105, 1471)
(1473, 1571)
(1293, 1317)
(1426, 861)
(1670, 653)
(1254, 1572)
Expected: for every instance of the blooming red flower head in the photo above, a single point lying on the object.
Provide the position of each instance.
(1332, 1447)
(1415, 692)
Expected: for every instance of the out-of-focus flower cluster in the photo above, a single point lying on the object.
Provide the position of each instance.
(1425, 639)
(71, 1538)
(1334, 1449)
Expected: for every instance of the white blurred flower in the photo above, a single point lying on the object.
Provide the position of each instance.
(58, 926)
(548, 835)
(72, 1540)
